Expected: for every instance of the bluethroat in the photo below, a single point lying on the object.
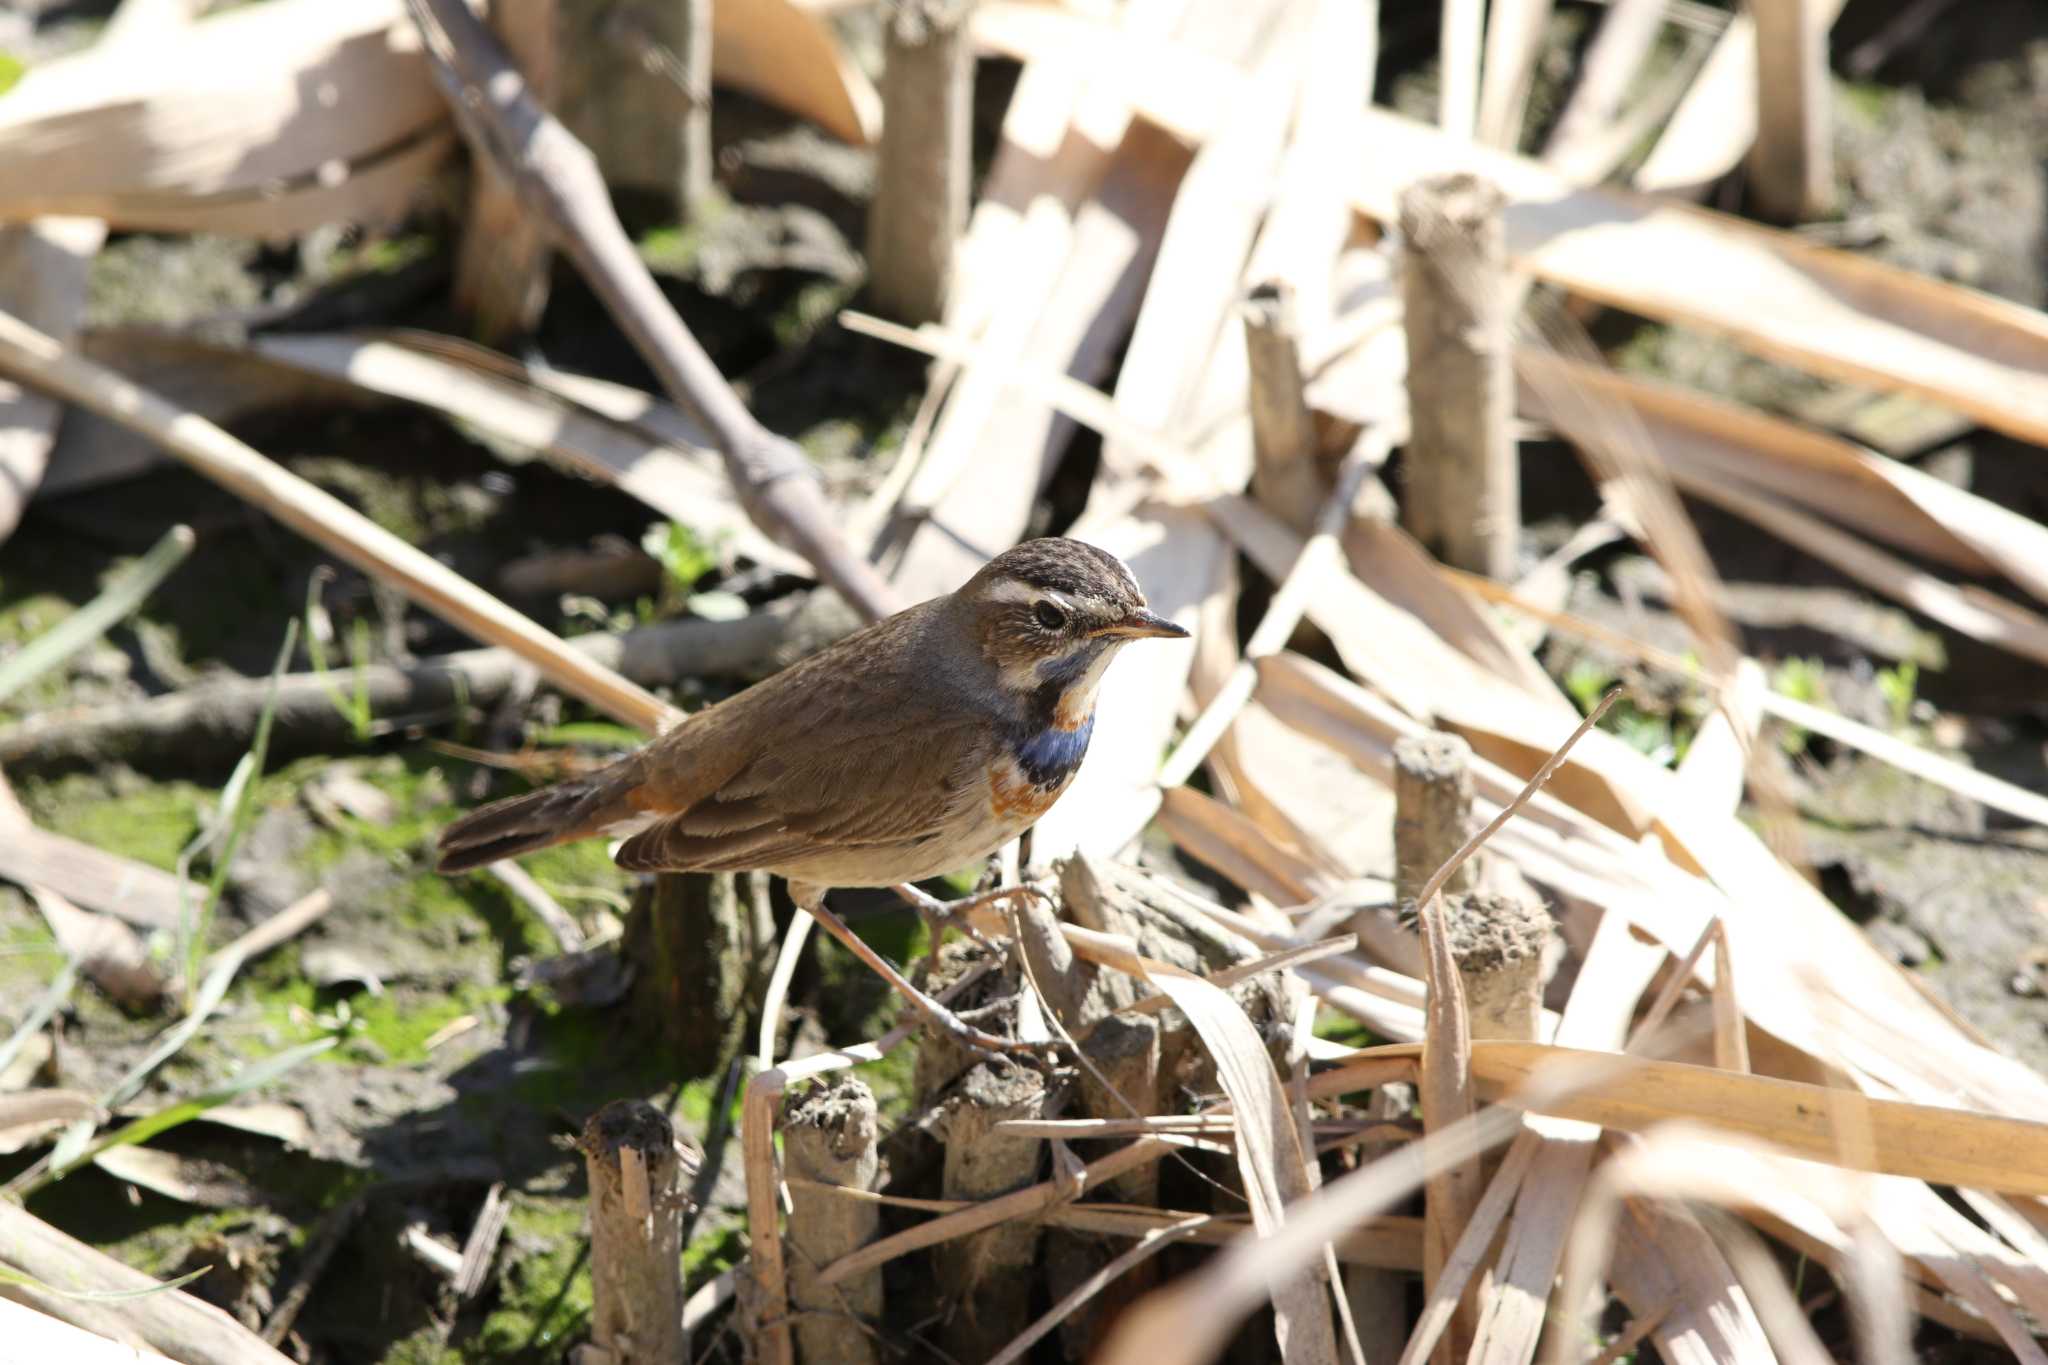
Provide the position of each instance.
(910, 749)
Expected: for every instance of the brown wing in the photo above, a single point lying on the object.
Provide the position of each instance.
(878, 787)
(860, 749)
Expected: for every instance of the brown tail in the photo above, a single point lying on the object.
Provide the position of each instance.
(521, 824)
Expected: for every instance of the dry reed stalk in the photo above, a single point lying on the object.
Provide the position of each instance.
(1922, 763)
(1498, 942)
(1792, 163)
(43, 270)
(1627, 32)
(1445, 1079)
(207, 127)
(1460, 41)
(1388, 1243)
(1825, 310)
(1515, 30)
(634, 85)
(184, 1328)
(1284, 473)
(923, 165)
(217, 719)
(987, 1279)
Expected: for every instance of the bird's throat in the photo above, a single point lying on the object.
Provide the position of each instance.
(1050, 755)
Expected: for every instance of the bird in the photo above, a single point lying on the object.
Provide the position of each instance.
(909, 749)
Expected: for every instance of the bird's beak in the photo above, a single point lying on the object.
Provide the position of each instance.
(1142, 624)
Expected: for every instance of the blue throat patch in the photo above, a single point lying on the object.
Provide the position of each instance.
(1050, 756)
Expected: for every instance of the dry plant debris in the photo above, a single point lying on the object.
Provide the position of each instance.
(1370, 943)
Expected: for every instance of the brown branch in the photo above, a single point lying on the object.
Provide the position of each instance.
(558, 180)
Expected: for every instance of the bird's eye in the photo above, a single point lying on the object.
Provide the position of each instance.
(1049, 616)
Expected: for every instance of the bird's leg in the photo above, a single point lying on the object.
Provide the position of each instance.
(811, 899)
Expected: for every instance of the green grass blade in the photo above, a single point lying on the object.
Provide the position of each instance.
(237, 811)
(10, 1275)
(251, 1077)
(96, 617)
(47, 1004)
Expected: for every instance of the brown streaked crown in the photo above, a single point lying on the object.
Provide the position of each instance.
(1072, 568)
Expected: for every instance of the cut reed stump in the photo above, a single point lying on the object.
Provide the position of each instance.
(828, 1136)
(1498, 942)
(1285, 476)
(1432, 811)
(636, 89)
(1792, 162)
(696, 947)
(923, 164)
(1464, 494)
(501, 268)
(637, 1181)
(988, 1276)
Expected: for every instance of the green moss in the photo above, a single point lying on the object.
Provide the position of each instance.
(1863, 100)
(814, 305)
(150, 822)
(717, 1243)
(544, 1289)
(416, 508)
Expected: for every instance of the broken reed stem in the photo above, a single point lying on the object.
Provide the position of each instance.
(1453, 1190)
(558, 180)
(324, 519)
(636, 1234)
(828, 1138)
(1464, 489)
(1791, 163)
(1284, 473)
(923, 164)
(501, 267)
(1432, 810)
(184, 1328)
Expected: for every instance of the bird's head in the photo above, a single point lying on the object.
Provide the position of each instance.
(1050, 613)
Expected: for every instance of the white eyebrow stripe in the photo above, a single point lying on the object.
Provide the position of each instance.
(1012, 590)
(1016, 590)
